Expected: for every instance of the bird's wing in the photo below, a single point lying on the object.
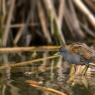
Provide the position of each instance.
(82, 49)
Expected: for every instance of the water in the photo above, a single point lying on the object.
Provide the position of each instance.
(50, 73)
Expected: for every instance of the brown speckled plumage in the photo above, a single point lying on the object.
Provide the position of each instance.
(83, 50)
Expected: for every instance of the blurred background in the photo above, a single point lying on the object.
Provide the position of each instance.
(46, 22)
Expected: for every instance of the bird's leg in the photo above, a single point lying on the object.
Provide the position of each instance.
(71, 75)
(85, 69)
(78, 68)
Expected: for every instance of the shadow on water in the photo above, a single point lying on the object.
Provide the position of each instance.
(53, 77)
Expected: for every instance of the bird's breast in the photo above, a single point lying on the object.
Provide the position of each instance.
(73, 59)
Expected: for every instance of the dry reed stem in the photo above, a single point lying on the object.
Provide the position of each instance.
(2, 7)
(7, 28)
(72, 20)
(23, 28)
(45, 89)
(18, 35)
(22, 25)
(29, 49)
(61, 12)
(90, 4)
(87, 29)
(75, 21)
(86, 11)
(28, 62)
(51, 12)
(43, 22)
(4, 10)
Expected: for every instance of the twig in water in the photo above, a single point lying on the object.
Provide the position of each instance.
(49, 90)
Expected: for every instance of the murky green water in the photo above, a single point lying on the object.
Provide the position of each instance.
(48, 75)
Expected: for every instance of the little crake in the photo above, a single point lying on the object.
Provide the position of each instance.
(73, 58)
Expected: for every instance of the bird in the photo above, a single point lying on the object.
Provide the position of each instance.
(73, 58)
(78, 54)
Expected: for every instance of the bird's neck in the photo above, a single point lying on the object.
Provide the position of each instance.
(66, 54)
